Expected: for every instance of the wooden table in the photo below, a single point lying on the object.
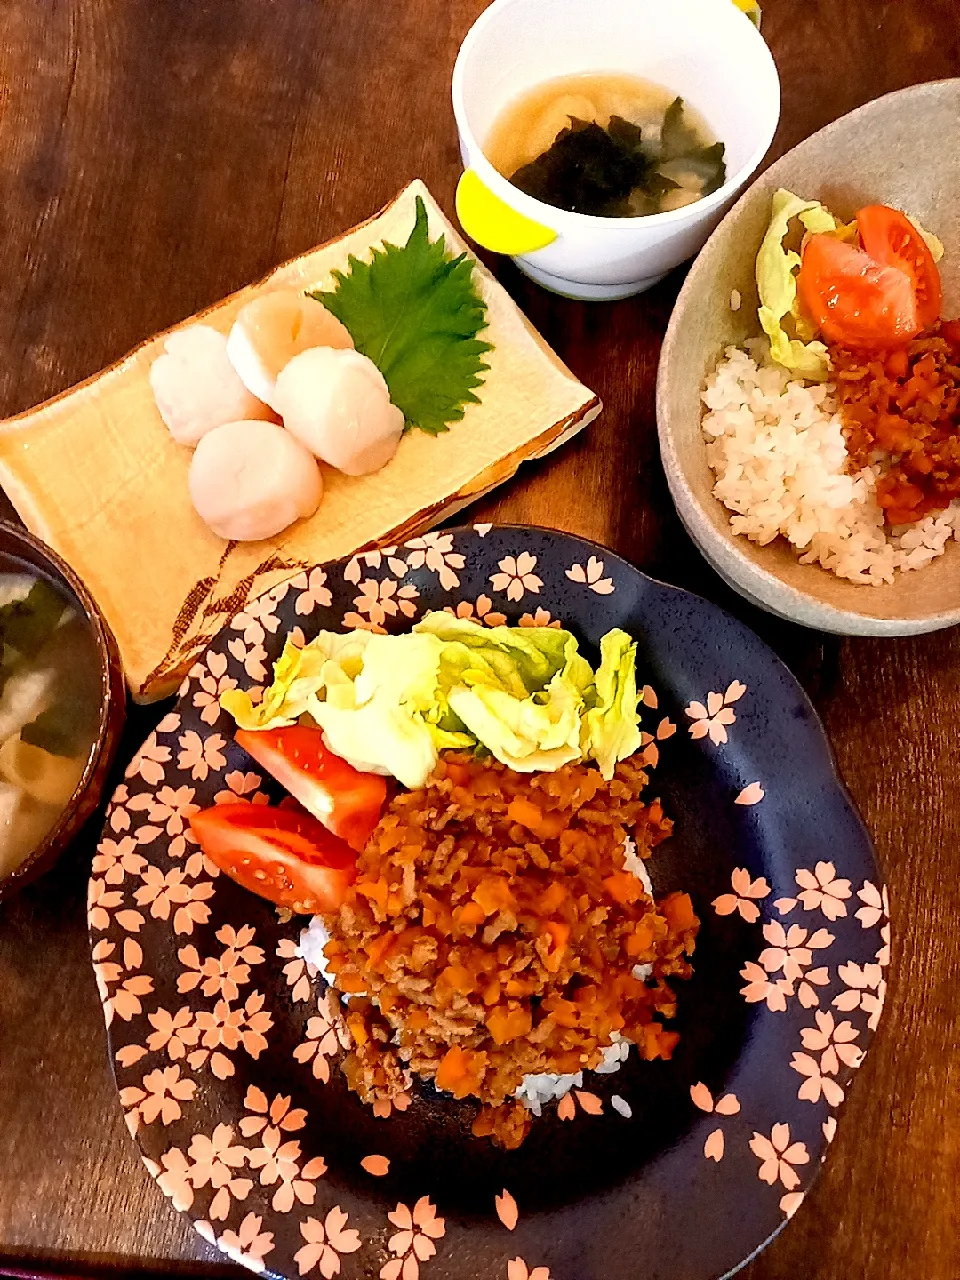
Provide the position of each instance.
(157, 154)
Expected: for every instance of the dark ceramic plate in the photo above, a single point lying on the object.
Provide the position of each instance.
(226, 1063)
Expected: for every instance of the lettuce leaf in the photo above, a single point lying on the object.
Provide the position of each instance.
(390, 704)
(612, 726)
(777, 283)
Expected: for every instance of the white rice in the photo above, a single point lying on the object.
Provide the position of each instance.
(777, 448)
(534, 1090)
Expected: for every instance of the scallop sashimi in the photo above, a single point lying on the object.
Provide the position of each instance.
(338, 405)
(269, 331)
(197, 388)
(250, 480)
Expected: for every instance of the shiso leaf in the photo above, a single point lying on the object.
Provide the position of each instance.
(415, 311)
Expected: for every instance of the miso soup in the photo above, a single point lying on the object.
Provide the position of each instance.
(50, 702)
(611, 145)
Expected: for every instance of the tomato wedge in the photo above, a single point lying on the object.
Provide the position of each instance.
(346, 801)
(891, 239)
(283, 855)
(853, 299)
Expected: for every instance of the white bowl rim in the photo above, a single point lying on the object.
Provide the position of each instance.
(751, 579)
(562, 219)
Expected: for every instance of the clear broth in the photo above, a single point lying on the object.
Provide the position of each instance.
(528, 126)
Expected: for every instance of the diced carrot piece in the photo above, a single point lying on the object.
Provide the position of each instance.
(508, 1024)
(350, 984)
(471, 913)
(546, 825)
(491, 993)
(552, 897)
(457, 978)
(623, 887)
(640, 940)
(460, 1072)
(493, 894)
(677, 909)
(376, 890)
(379, 948)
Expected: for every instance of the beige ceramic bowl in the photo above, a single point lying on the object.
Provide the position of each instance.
(894, 151)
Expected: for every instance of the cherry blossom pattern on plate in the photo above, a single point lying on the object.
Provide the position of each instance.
(167, 811)
(591, 576)
(517, 1269)
(211, 680)
(516, 576)
(751, 794)
(779, 1157)
(326, 1034)
(221, 976)
(828, 1044)
(507, 1211)
(172, 893)
(791, 954)
(747, 892)
(380, 600)
(150, 761)
(279, 1157)
(312, 591)
(712, 720)
(726, 1105)
(539, 618)
(866, 990)
(116, 859)
(301, 974)
(435, 552)
(413, 1242)
(158, 1097)
(481, 610)
(214, 1161)
(248, 1245)
(374, 559)
(120, 985)
(590, 1104)
(201, 755)
(325, 1241)
(226, 1028)
(243, 787)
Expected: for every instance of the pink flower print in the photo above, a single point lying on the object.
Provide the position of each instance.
(378, 601)
(100, 902)
(790, 1203)
(482, 611)
(435, 550)
(751, 794)
(315, 593)
(228, 1028)
(213, 680)
(173, 1177)
(482, 530)
(161, 1095)
(413, 1243)
(247, 1246)
(834, 1042)
(760, 986)
(823, 891)
(383, 1107)
(806, 994)
(215, 1161)
(258, 617)
(164, 891)
(115, 859)
(174, 1032)
(298, 972)
(221, 975)
(876, 904)
(506, 1207)
(778, 1156)
(516, 576)
(325, 1034)
(241, 788)
(727, 1105)
(373, 560)
(744, 891)
(279, 1162)
(791, 950)
(541, 618)
(270, 1116)
(815, 1084)
(169, 809)
(830, 1128)
(200, 755)
(149, 762)
(517, 1269)
(325, 1241)
(252, 657)
(883, 955)
(712, 720)
(124, 1000)
(714, 1146)
(591, 576)
(866, 990)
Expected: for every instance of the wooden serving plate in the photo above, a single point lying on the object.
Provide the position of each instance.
(96, 475)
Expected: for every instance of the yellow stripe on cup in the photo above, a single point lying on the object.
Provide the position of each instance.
(493, 224)
(750, 8)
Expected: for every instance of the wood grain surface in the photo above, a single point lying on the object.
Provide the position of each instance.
(157, 154)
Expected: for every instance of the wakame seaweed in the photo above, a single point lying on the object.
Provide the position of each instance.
(614, 172)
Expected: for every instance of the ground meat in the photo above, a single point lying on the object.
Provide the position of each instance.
(901, 413)
(493, 931)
